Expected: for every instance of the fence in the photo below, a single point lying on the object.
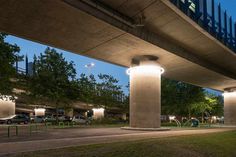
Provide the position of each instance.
(212, 18)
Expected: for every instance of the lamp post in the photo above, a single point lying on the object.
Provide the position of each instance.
(89, 67)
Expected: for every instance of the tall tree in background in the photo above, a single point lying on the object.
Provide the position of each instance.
(211, 105)
(8, 56)
(218, 106)
(109, 91)
(177, 97)
(87, 85)
(54, 80)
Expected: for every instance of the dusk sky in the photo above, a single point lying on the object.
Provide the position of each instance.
(31, 48)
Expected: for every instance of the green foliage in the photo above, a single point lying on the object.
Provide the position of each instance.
(109, 92)
(183, 99)
(216, 103)
(213, 105)
(87, 87)
(104, 93)
(177, 97)
(53, 80)
(8, 56)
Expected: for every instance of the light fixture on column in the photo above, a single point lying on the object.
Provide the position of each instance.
(39, 111)
(229, 92)
(230, 106)
(145, 68)
(145, 64)
(145, 93)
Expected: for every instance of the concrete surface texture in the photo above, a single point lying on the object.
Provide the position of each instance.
(186, 51)
(145, 95)
(7, 107)
(230, 108)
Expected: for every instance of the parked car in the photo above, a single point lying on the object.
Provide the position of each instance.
(79, 119)
(64, 118)
(37, 119)
(61, 118)
(50, 118)
(18, 118)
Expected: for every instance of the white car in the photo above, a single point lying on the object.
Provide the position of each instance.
(80, 120)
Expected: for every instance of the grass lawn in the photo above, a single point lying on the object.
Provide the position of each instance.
(208, 145)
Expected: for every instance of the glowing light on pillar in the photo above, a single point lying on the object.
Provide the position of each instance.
(98, 113)
(145, 69)
(229, 94)
(145, 92)
(230, 106)
(172, 117)
(7, 107)
(39, 111)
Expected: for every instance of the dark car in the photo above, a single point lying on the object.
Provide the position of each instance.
(37, 119)
(19, 118)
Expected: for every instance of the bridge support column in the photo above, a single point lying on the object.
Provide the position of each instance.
(230, 107)
(145, 92)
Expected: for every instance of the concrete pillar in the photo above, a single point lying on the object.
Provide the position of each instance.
(39, 111)
(145, 93)
(230, 107)
(98, 113)
(7, 107)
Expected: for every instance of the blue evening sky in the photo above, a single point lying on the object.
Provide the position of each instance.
(31, 48)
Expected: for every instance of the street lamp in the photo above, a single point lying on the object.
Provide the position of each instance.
(89, 67)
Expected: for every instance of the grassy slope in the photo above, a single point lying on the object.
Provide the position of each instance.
(209, 145)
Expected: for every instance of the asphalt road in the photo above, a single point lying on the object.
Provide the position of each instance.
(59, 138)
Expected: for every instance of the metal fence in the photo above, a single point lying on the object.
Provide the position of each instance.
(212, 18)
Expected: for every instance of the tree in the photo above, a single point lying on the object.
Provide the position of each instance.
(109, 92)
(201, 108)
(87, 85)
(211, 105)
(177, 97)
(54, 80)
(216, 103)
(9, 54)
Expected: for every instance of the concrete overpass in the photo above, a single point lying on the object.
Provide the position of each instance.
(120, 32)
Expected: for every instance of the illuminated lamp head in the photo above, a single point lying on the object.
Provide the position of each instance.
(145, 64)
(229, 92)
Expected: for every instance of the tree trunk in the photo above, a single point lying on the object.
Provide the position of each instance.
(202, 117)
(57, 113)
(189, 113)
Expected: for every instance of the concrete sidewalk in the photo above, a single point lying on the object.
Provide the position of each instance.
(25, 146)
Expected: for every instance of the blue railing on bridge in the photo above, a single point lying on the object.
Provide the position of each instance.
(212, 18)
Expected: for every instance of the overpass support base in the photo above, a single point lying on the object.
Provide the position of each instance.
(145, 92)
(230, 107)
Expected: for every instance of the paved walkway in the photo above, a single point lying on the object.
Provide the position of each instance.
(96, 136)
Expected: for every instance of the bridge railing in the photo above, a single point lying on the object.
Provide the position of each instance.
(212, 18)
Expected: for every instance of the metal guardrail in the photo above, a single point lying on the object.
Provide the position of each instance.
(9, 130)
(31, 128)
(212, 18)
